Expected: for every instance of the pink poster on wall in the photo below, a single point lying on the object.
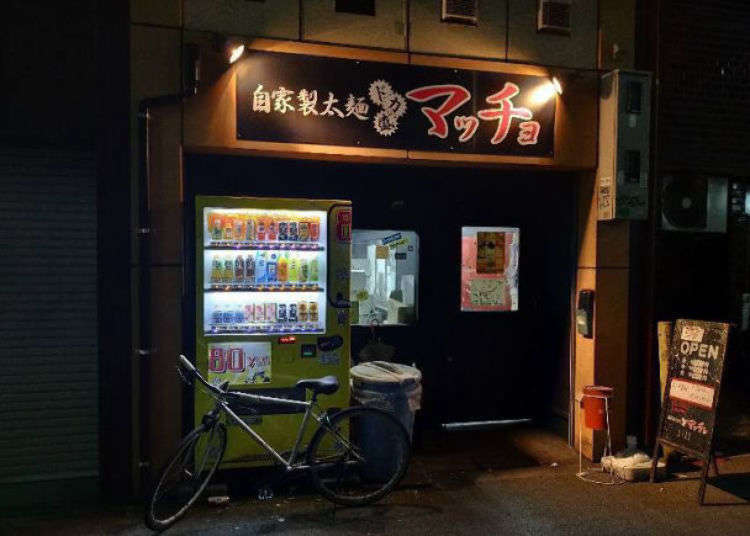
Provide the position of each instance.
(489, 268)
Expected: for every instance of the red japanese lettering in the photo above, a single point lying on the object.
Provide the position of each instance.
(528, 132)
(467, 123)
(505, 112)
(456, 97)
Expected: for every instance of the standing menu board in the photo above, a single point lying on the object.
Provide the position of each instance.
(696, 368)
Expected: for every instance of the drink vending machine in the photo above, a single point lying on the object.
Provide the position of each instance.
(272, 307)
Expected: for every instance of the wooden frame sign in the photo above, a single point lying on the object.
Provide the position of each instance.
(691, 395)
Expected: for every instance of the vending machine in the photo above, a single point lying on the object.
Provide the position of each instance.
(272, 307)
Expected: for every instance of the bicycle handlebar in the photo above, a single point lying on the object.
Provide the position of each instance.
(185, 362)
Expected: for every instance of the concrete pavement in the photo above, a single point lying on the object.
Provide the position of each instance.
(510, 482)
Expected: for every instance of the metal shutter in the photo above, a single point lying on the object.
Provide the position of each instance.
(49, 389)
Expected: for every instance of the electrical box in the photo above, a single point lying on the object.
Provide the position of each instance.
(624, 145)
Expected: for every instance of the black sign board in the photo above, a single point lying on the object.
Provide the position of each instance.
(294, 98)
(691, 395)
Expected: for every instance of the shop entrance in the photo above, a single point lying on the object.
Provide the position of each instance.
(476, 366)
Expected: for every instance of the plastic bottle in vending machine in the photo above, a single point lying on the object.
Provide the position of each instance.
(228, 229)
(249, 270)
(228, 269)
(293, 268)
(302, 311)
(304, 270)
(282, 268)
(239, 227)
(314, 271)
(239, 269)
(260, 267)
(312, 311)
(260, 228)
(216, 270)
(292, 312)
(215, 221)
(249, 310)
(249, 229)
(271, 270)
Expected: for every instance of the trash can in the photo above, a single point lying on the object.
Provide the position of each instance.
(390, 387)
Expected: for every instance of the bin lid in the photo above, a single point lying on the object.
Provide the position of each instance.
(384, 372)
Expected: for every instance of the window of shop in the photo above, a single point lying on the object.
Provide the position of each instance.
(384, 277)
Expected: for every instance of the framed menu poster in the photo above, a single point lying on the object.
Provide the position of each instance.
(489, 268)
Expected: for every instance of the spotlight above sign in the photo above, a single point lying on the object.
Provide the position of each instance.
(295, 98)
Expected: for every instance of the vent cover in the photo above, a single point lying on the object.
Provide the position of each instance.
(694, 203)
(357, 7)
(463, 11)
(554, 16)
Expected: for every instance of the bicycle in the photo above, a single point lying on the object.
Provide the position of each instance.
(355, 457)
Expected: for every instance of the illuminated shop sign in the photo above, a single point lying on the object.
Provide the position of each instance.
(306, 99)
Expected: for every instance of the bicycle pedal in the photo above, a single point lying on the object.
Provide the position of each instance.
(265, 494)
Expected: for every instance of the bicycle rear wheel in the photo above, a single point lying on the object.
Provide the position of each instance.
(186, 475)
(358, 456)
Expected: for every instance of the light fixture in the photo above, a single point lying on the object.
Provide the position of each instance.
(236, 53)
(556, 84)
(543, 92)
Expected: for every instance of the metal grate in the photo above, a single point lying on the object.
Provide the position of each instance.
(464, 11)
(48, 316)
(704, 78)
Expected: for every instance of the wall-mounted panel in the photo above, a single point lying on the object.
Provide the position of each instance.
(486, 39)
(321, 22)
(526, 43)
(269, 18)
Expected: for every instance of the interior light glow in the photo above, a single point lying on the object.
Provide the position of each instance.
(236, 53)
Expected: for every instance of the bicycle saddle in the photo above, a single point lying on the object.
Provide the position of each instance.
(326, 385)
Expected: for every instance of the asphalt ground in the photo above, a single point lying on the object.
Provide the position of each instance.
(518, 481)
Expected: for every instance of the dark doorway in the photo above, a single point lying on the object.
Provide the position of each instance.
(476, 365)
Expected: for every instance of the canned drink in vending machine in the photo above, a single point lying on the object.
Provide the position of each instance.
(312, 311)
(302, 311)
(260, 313)
(270, 310)
(303, 229)
(314, 230)
(281, 313)
(292, 312)
(260, 229)
(249, 313)
(272, 229)
(293, 236)
(283, 230)
(215, 227)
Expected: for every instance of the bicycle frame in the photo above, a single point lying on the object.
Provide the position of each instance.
(221, 404)
(309, 411)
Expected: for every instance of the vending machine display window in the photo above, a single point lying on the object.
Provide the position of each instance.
(489, 268)
(384, 277)
(265, 271)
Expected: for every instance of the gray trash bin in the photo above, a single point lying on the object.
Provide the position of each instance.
(390, 387)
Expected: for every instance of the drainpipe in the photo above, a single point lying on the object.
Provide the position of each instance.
(144, 232)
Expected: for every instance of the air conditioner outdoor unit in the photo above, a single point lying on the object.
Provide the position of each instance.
(464, 11)
(554, 16)
(694, 203)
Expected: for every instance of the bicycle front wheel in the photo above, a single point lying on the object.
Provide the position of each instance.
(186, 475)
(359, 455)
